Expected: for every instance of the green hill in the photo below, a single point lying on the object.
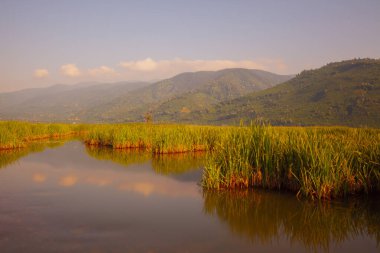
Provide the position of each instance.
(220, 86)
(172, 98)
(340, 93)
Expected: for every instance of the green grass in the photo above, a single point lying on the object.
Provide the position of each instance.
(159, 139)
(15, 134)
(316, 162)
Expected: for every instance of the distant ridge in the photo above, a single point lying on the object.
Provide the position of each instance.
(339, 93)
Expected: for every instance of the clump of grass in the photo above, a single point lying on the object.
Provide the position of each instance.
(319, 163)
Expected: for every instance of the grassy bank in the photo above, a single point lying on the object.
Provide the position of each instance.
(17, 134)
(317, 162)
(159, 139)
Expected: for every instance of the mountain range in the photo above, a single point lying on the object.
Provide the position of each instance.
(339, 93)
(128, 102)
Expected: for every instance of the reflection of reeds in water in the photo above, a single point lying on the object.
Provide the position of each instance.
(124, 157)
(163, 164)
(265, 217)
(177, 163)
(9, 156)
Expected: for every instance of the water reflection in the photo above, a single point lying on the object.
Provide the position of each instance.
(8, 157)
(68, 181)
(170, 164)
(265, 217)
(124, 157)
(39, 177)
(177, 163)
(131, 170)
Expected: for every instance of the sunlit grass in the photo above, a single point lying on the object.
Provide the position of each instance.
(159, 139)
(15, 134)
(317, 162)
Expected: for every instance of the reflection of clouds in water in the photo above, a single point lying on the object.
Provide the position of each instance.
(146, 185)
(167, 188)
(143, 187)
(39, 177)
(98, 181)
(68, 181)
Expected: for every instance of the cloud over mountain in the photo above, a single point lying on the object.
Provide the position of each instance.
(70, 70)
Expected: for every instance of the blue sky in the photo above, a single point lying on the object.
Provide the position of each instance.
(44, 42)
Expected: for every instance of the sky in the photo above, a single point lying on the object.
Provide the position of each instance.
(46, 42)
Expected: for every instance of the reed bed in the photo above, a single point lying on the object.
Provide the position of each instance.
(316, 162)
(159, 139)
(15, 134)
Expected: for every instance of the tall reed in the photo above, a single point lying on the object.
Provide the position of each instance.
(159, 139)
(15, 134)
(315, 162)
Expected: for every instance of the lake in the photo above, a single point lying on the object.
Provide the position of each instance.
(66, 197)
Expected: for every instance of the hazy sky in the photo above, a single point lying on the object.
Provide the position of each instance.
(44, 42)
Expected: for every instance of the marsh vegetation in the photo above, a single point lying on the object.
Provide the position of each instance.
(315, 162)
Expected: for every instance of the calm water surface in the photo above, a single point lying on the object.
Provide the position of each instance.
(69, 198)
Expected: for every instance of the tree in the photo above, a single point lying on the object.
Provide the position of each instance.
(148, 117)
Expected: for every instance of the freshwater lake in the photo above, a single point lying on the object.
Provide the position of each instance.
(66, 197)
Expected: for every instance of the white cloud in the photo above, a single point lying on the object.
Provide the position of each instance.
(70, 70)
(41, 73)
(102, 70)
